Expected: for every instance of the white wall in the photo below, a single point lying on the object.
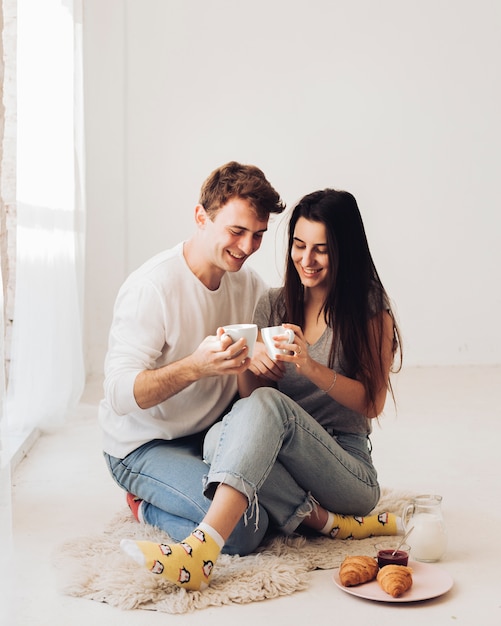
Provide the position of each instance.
(396, 101)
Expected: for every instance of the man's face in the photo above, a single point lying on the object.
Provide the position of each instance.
(233, 235)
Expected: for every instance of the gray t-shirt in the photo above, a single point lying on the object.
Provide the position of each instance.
(329, 413)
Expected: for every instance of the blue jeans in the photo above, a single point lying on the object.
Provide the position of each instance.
(271, 450)
(168, 476)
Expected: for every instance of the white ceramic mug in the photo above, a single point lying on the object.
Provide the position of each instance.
(267, 335)
(248, 331)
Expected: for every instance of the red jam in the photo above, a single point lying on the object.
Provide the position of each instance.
(385, 557)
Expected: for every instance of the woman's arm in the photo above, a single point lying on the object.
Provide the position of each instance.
(347, 391)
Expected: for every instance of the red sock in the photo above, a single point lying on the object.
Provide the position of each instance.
(134, 503)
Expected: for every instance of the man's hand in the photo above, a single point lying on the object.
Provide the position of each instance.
(219, 355)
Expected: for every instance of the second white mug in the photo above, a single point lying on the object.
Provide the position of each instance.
(267, 335)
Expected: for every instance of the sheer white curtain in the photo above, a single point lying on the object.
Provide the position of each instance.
(47, 370)
(46, 374)
(7, 586)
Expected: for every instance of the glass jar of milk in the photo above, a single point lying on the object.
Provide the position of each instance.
(428, 539)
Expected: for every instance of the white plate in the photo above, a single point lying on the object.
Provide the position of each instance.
(429, 581)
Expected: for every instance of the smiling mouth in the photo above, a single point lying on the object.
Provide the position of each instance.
(238, 257)
(310, 272)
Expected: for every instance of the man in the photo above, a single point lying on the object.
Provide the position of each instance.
(169, 372)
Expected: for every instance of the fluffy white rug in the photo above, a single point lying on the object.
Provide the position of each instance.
(95, 568)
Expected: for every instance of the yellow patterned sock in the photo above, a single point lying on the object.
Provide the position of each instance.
(356, 527)
(187, 564)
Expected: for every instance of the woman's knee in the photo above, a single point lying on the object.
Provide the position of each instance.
(261, 415)
(267, 395)
(267, 402)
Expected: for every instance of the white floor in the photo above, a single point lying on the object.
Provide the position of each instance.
(445, 439)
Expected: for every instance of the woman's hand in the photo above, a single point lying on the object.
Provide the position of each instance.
(299, 349)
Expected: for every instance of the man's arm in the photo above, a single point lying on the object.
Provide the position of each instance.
(215, 356)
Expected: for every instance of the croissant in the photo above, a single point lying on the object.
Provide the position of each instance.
(355, 570)
(395, 579)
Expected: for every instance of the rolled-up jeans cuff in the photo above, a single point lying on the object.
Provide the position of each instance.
(239, 484)
(307, 507)
(210, 483)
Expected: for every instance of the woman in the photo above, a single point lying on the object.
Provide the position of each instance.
(298, 443)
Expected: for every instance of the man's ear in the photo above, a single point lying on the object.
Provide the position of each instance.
(201, 216)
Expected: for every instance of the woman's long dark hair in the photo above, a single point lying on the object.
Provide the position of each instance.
(356, 296)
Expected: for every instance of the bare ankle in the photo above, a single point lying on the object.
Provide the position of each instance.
(316, 519)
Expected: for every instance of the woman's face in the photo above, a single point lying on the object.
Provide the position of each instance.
(309, 253)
